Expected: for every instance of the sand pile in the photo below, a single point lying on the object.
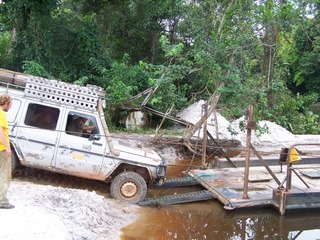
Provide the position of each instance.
(55, 213)
(220, 128)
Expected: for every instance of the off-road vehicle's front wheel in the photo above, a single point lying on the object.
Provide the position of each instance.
(128, 187)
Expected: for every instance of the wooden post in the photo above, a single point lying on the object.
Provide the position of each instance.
(204, 138)
(250, 125)
(156, 136)
(283, 202)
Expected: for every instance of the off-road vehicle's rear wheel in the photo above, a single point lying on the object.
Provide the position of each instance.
(128, 187)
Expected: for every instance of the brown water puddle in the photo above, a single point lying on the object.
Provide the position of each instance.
(208, 220)
(172, 222)
(177, 169)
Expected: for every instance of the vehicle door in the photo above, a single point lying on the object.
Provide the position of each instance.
(34, 132)
(82, 147)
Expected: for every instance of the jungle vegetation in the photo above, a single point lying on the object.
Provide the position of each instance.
(263, 53)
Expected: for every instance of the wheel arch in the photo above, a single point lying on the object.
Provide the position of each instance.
(15, 157)
(15, 150)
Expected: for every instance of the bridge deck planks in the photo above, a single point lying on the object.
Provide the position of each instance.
(226, 184)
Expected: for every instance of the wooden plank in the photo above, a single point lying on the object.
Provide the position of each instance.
(254, 179)
(311, 173)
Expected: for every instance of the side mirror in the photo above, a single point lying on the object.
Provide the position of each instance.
(92, 137)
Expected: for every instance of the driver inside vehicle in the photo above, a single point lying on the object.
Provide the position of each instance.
(78, 127)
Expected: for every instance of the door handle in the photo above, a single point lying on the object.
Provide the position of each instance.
(63, 146)
(98, 144)
(14, 126)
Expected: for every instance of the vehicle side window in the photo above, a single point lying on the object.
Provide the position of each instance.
(42, 116)
(81, 125)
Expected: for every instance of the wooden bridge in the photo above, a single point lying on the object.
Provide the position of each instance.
(227, 186)
(287, 186)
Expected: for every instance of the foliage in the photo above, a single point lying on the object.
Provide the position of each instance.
(5, 47)
(167, 77)
(306, 64)
(293, 113)
(263, 53)
(121, 81)
(35, 69)
(58, 39)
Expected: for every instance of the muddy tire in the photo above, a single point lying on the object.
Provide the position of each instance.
(128, 187)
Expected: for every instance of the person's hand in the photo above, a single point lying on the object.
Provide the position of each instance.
(8, 152)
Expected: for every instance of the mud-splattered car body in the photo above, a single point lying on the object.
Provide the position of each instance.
(40, 134)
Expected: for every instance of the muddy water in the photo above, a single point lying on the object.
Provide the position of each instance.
(209, 220)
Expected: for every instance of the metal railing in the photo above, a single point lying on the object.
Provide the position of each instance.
(290, 169)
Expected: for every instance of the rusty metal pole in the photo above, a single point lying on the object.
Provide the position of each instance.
(204, 138)
(288, 183)
(250, 125)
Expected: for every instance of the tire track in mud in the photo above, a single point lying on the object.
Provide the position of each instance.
(43, 177)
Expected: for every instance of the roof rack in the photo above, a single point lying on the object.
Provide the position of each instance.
(82, 97)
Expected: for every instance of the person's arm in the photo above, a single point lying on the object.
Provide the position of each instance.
(5, 143)
(87, 128)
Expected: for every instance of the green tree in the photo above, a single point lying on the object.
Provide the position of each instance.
(305, 63)
(240, 51)
(5, 50)
(134, 26)
(57, 38)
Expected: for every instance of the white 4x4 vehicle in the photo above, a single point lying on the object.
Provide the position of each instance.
(43, 128)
